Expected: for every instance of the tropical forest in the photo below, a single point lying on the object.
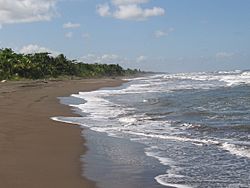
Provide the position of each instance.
(16, 66)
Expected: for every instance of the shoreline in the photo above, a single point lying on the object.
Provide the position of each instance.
(36, 151)
(111, 161)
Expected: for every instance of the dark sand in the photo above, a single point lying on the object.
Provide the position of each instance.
(34, 150)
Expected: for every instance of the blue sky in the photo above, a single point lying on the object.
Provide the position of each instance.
(157, 35)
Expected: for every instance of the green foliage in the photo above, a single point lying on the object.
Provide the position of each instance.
(43, 65)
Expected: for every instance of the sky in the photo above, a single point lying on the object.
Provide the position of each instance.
(151, 35)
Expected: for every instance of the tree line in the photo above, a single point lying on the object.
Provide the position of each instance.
(14, 66)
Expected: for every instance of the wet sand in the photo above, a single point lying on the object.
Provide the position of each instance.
(36, 152)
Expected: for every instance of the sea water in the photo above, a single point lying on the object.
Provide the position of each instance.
(197, 125)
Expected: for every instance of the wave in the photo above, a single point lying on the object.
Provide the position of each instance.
(238, 150)
(110, 111)
(230, 72)
(103, 112)
(162, 179)
(229, 77)
(176, 138)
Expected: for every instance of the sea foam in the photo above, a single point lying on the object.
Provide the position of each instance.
(111, 111)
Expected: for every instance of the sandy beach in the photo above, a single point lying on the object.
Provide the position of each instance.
(34, 150)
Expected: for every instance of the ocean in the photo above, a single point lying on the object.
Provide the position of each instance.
(195, 125)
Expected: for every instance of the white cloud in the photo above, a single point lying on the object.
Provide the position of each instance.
(104, 59)
(161, 33)
(126, 2)
(129, 10)
(34, 48)
(141, 59)
(19, 11)
(85, 35)
(114, 59)
(69, 35)
(135, 12)
(224, 55)
(103, 10)
(89, 58)
(70, 25)
(109, 57)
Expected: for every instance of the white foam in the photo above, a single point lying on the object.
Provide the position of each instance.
(97, 106)
(163, 160)
(161, 180)
(105, 116)
(236, 150)
(128, 120)
(66, 120)
(139, 78)
(56, 119)
(199, 80)
(230, 72)
(171, 173)
(174, 138)
(190, 125)
(232, 80)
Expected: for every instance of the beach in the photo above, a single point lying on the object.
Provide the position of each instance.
(36, 151)
(155, 131)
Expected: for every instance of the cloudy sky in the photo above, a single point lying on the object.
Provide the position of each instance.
(158, 35)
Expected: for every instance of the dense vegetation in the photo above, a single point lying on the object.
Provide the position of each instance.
(14, 66)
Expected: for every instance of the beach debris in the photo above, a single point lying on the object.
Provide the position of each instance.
(3, 81)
